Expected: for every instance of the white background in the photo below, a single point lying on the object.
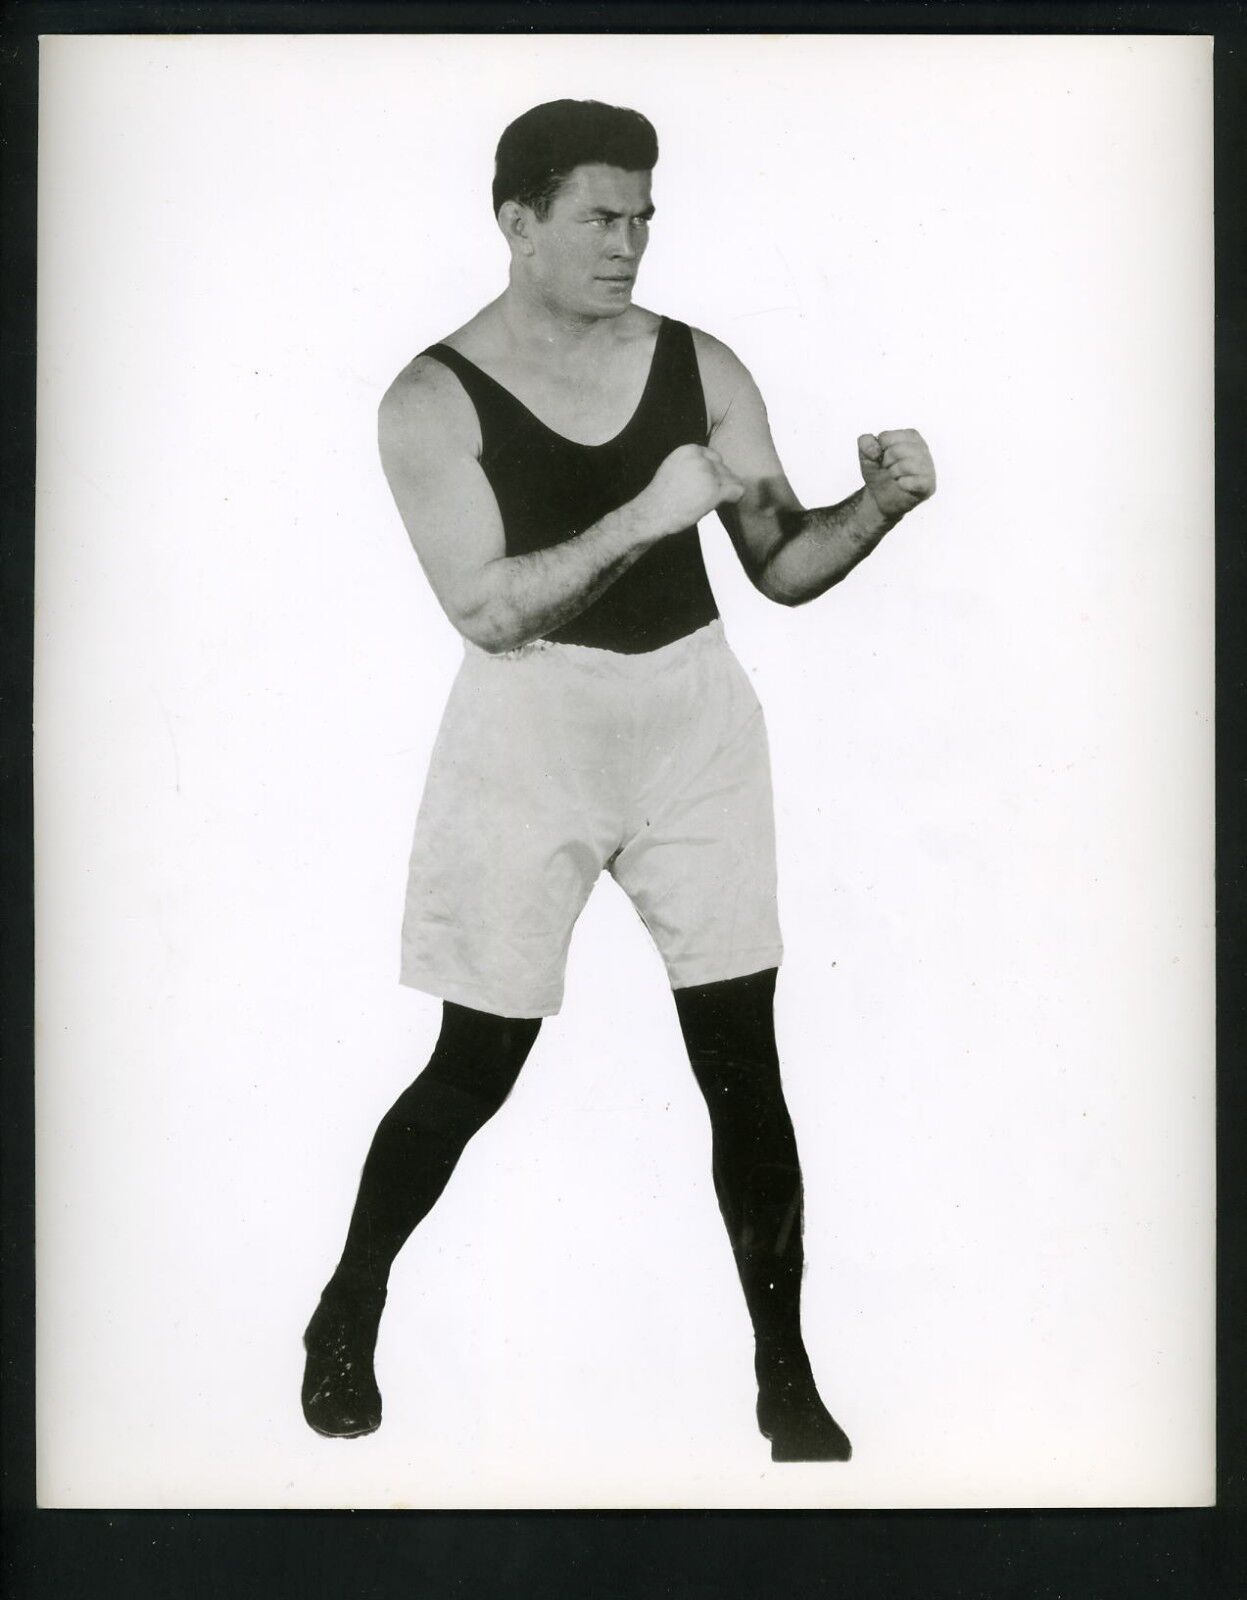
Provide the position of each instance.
(992, 753)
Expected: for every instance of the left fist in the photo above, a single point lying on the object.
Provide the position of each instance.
(897, 470)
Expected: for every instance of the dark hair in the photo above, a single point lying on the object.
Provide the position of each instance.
(539, 150)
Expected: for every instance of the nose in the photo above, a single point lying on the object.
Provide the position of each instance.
(626, 240)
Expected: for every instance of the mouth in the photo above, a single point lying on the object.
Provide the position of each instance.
(617, 280)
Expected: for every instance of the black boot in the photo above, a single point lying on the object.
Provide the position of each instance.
(340, 1395)
(792, 1415)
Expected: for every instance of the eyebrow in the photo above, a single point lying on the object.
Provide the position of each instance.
(603, 211)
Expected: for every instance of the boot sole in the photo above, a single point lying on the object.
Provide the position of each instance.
(782, 1452)
(353, 1433)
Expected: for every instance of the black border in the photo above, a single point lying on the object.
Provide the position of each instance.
(1027, 1554)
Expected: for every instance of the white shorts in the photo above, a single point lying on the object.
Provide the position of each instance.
(555, 761)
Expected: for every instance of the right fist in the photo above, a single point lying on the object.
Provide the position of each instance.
(690, 482)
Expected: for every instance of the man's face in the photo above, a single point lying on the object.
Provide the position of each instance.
(587, 250)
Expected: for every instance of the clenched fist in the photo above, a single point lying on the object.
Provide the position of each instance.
(690, 483)
(897, 469)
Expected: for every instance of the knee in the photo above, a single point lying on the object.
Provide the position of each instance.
(771, 1183)
(480, 1036)
(478, 1057)
(729, 1028)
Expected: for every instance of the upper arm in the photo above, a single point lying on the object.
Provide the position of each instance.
(429, 441)
(741, 432)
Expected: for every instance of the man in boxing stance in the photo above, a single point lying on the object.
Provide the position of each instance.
(551, 460)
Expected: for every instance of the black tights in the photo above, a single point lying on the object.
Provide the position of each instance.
(729, 1032)
(417, 1146)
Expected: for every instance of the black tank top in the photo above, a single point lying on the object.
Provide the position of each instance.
(549, 489)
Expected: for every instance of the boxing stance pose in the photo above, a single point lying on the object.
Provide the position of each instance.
(551, 460)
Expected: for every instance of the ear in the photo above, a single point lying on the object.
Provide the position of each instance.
(516, 222)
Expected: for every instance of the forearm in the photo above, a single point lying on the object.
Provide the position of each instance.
(519, 598)
(814, 549)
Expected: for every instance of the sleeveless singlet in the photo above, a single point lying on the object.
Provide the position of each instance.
(549, 489)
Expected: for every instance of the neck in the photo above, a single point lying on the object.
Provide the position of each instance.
(532, 321)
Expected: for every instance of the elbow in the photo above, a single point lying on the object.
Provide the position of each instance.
(767, 584)
(484, 636)
(494, 644)
(792, 596)
(487, 630)
(487, 617)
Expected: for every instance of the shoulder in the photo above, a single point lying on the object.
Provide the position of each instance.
(426, 407)
(641, 323)
(723, 374)
(716, 359)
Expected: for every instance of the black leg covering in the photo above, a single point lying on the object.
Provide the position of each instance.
(730, 1035)
(473, 1069)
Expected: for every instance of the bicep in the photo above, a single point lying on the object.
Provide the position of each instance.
(742, 436)
(447, 505)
